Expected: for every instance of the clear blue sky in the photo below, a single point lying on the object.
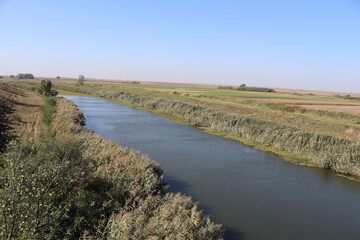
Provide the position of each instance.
(307, 44)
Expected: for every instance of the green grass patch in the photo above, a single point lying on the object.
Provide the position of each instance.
(49, 110)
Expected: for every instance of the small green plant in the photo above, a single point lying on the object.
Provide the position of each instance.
(49, 110)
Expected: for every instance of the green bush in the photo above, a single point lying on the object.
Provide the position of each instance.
(254, 89)
(225, 87)
(5, 128)
(45, 88)
(41, 189)
(49, 110)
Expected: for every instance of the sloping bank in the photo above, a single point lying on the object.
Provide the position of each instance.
(148, 212)
(340, 155)
(72, 184)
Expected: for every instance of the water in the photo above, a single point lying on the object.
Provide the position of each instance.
(254, 194)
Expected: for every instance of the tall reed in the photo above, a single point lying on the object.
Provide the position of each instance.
(337, 154)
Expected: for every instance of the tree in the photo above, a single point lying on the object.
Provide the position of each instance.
(45, 88)
(57, 77)
(81, 80)
(243, 85)
(25, 76)
(12, 76)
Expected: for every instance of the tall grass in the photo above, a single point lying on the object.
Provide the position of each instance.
(73, 184)
(135, 179)
(337, 154)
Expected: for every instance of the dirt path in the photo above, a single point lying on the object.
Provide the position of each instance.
(27, 117)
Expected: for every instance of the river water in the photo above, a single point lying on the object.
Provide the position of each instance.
(254, 194)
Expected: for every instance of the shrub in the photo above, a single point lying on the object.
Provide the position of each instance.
(45, 88)
(225, 87)
(42, 190)
(49, 110)
(254, 89)
(5, 128)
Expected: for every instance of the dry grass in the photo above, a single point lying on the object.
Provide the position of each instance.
(27, 117)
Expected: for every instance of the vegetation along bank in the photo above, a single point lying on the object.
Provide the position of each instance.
(69, 183)
(340, 154)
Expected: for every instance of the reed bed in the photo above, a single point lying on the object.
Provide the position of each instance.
(135, 179)
(338, 154)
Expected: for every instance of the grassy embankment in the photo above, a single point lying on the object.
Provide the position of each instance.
(313, 137)
(68, 182)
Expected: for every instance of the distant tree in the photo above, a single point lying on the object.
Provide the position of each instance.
(1, 76)
(81, 80)
(243, 85)
(45, 88)
(57, 77)
(12, 76)
(225, 87)
(25, 76)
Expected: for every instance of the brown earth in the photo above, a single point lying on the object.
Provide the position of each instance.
(27, 116)
(318, 93)
(337, 108)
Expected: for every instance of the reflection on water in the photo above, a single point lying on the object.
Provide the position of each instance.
(254, 194)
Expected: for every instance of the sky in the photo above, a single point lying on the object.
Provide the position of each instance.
(308, 44)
